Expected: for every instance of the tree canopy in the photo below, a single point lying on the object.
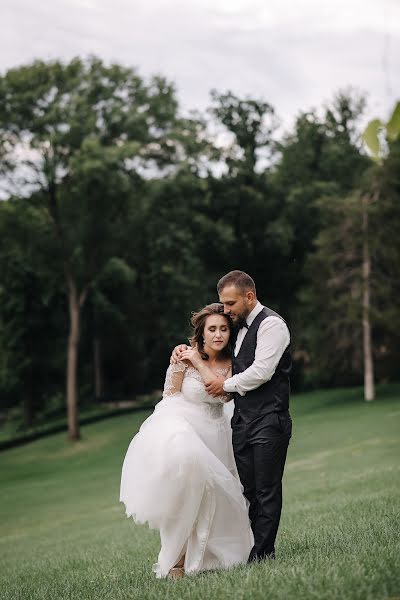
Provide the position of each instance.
(122, 213)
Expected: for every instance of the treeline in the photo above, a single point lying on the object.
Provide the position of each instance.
(120, 214)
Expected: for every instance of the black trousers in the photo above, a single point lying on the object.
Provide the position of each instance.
(260, 449)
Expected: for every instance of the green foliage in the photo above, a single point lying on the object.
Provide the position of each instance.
(385, 260)
(334, 272)
(371, 136)
(377, 130)
(86, 133)
(393, 125)
(251, 122)
(139, 210)
(31, 309)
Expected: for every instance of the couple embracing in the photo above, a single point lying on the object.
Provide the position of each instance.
(210, 482)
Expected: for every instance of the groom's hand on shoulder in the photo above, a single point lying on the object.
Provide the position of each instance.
(216, 386)
(176, 353)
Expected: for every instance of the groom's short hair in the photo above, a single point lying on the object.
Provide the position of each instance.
(239, 279)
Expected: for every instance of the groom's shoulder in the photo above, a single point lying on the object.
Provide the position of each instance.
(272, 319)
(269, 312)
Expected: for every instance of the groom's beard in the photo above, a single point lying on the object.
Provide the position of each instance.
(241, 322)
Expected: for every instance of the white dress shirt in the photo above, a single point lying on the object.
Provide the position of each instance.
(273, 337)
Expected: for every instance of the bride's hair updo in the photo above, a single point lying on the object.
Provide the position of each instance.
(198, 322)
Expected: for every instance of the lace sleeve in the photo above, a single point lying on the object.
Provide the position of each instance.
(174, 378)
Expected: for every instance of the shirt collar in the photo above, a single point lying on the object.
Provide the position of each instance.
(256, 310)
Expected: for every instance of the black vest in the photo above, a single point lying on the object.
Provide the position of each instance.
(272, 396)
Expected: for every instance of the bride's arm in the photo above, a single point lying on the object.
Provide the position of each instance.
(197, 361)
(176, 355)
(206, 373)
(210, 377)
(174, 378)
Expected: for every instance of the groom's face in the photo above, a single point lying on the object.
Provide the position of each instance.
(236, 303)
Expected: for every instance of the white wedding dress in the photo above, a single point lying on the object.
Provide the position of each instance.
(179, 476)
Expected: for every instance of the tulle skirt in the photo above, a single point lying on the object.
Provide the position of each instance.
(179, 476)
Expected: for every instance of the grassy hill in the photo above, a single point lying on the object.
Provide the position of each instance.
(64, 535)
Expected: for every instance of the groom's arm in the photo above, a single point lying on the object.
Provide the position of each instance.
(273, 338)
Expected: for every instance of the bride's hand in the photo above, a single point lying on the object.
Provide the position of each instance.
(176, 355)
(193, 355)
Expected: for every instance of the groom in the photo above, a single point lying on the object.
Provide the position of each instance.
(261, 424)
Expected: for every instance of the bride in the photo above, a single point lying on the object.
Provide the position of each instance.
(179, 473)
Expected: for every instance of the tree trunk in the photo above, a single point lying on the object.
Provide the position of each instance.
(73, 342)
(98, 372)
(369, 387)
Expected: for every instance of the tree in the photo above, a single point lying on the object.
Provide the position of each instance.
(81, 132)
(332, 300)
(346, 288)
(320, 171)
(30, 306)
(251, 123)
(259, 237)
(342, 126)
(380, 138)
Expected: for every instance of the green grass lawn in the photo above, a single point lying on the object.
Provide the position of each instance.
(65, 535)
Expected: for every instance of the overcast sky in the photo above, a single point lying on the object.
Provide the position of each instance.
(293, 53)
